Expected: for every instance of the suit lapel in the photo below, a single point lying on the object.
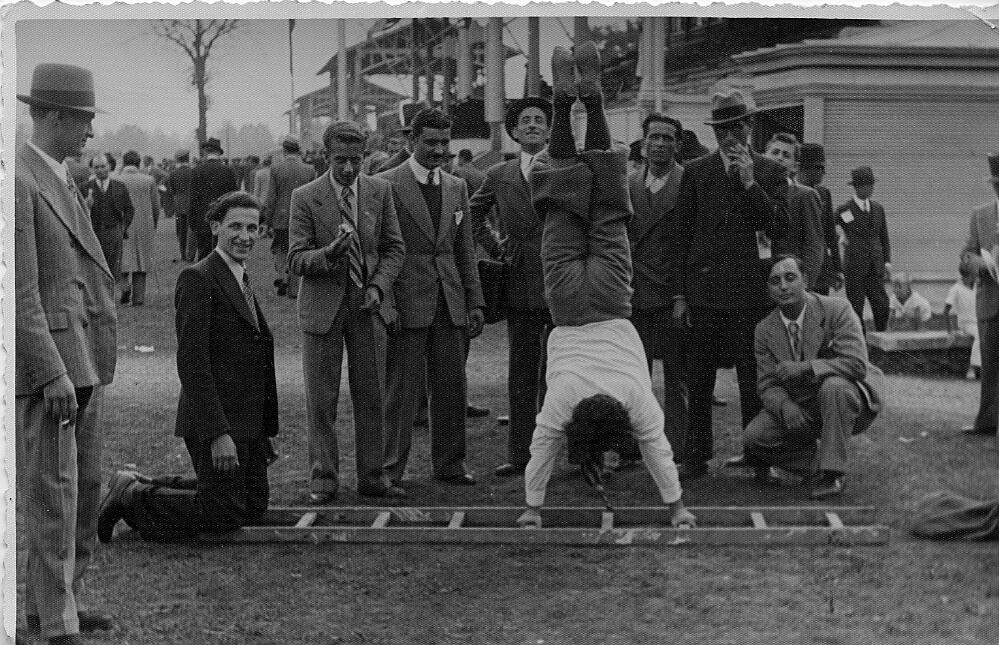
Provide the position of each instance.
(778, 336)
(987, 227)
(520, 190)
(640, 205)
(365, 213)
(412, 199)
(326, 204)
(66, 206)
(813, 325)
(231, 288)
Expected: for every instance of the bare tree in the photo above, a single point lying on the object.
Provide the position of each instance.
(196, 38)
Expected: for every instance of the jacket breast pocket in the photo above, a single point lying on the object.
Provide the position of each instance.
(57, 320)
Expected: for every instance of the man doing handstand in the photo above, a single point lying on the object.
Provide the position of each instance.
(599, 389)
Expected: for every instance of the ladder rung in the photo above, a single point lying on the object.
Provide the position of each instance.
(307, 520)
(457, 520)
(606, 521)
(834, 520)
(758, 521)
(382, 520)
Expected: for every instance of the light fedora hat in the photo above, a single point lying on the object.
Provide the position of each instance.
(731, 105)
(61, 86)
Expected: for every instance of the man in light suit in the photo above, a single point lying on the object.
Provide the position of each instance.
(653, 199)
(804, 237)
(286, 175)
(867, 258)
(983, 235)
(727, 201)
(816, 384)
(346, 245)
(516, 240)
(439, 301)
(65, 335)
(228, 408)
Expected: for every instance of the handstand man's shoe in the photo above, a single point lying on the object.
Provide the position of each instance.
(563, 75)
(588, 63)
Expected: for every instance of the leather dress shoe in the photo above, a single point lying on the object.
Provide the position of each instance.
(67, 639)
(509, 470)
(588, 63)
(742, 461)
(322, 498)
(563, 74)
(978, 431)
(112, 507)
(390, 490)
(828, 484)
(476, 412)
(717, 400)
(692, 469)
(463, 479)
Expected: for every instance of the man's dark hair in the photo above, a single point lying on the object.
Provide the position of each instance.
(430, 118)
(108, 157)
(598, 423)
(131, 158)
(343, 132)
(465, 155)
(148, 160)
(254, 159)
(789, 139)
(791, 256)
(655, 117)
(235, 199)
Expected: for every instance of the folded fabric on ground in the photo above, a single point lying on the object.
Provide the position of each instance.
(948, 516)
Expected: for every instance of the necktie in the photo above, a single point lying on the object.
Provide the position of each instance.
(792, 330)
(525, 169)
(354, 250)
(251, 302)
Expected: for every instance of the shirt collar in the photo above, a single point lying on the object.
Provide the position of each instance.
(237, 269)
(863, 204)
(800, 319)
(422, 172)
(338, 188)
(61, 169)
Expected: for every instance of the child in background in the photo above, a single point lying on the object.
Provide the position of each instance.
(910, 310)
(960, 305)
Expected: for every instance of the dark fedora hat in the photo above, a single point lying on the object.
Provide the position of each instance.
(863, 176)
(730, 105)
(212, 144)
(519, 105)
(60, 86)
(811, 154)
(994, 166)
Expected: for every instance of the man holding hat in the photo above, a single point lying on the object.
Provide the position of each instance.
(65, 339)
(286, 175)
(811, 170)
(867, 259)
(725, 201)
(210, 179)
(517, 241)
(981, 239)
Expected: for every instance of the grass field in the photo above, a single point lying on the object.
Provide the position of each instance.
(908, 592)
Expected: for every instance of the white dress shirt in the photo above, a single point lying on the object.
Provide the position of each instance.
(862, 204)
(800, 320)
(655, 184)
(527, 162)
(237, 268)
(423, 173)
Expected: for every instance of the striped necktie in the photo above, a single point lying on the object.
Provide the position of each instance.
(794, 332)
(354, 251)
(251, 301)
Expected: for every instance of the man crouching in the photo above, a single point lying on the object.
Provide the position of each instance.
(599, 387)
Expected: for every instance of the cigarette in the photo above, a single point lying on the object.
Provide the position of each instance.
(64, 423)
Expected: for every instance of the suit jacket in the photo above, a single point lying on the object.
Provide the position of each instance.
(210, 179)
(112, 211)
(714, 253)
(518, 240)
(179, 186)
(225, 364)
(473, 177)
(866, 237)
(832, 264)
(649, 232)
(315, 220)
(286, 175)
(65, 321)
(392, 162)
(805, 237)
(137, 250)
(983, 234)
(434, 261)
(832, 340)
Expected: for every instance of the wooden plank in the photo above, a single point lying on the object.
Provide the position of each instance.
(382, 520)
(759, 522)
(607, 521)
(834, 521)
(457, 520)
(307, 519)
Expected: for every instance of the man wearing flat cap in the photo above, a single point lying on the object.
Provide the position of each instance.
(726, 200)
(286, 175)
(65, 338)
(516, 240)
(867, 258)
(210, 179)
(983, 241)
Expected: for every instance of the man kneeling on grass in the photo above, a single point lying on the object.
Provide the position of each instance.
(599, 389)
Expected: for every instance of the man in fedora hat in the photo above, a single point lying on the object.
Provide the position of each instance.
(65, 335)
(210, 179)
(286, 175)
(726, 200)
(867, 258)
(981, 239)
(516, 240)
(811, 170)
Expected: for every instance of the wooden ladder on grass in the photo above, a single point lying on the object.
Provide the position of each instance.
(579, 526)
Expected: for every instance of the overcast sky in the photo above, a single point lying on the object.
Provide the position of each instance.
(143, 80)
